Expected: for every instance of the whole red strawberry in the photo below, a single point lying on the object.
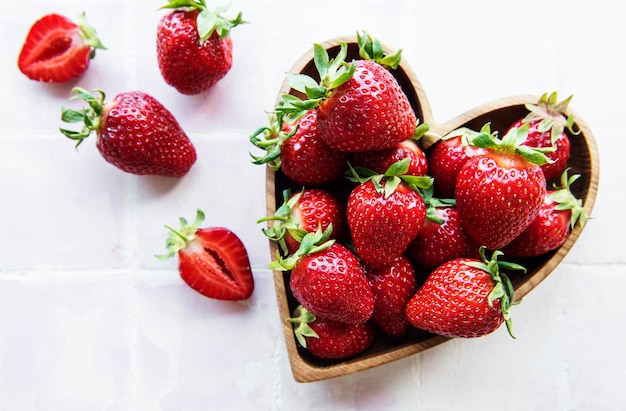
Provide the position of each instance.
(392, 287)
(361, 106)
(328, 280)
(381, 160)
(298, 150)
(135, 133)
(57, 50)
(213, 261)
(385, 212)
(559, 213)
(448, 155)
(368, 112)
(499, 194)
(441, 238)
(464, 297)
(331, 339)
(305, 212)
(547, 122)
(194, 48)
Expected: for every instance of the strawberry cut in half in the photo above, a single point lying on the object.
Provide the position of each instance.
(213, 261)
(57, 50)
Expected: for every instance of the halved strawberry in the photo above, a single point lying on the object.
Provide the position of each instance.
(213, 260)
(57, 50)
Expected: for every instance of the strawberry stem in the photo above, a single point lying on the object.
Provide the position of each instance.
(89, 36)
(502, 287)
(178, 239)
(566, 200)
(207, 21)
(302, 317)
(371, 49)
(90, 116)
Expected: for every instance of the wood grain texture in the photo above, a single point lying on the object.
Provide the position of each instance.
(584, 160)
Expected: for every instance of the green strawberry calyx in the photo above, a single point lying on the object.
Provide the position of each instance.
(552, 115)
(301, 318)
(511, 143)
(178, 239)
(89, 36)
(565, 199)
(311, 243)
(388, 182)
(433, 203)
(271, 139)
(90, 116)
(502, 287)
(208, 21)
(372, 49)
(284, 222)
(333, 72)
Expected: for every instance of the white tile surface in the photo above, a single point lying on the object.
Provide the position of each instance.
(90, 320)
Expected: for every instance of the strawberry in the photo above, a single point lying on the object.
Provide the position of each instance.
(380, 161)
(57, 50)
(385, 212)
(464, 297)
(559, 213)
(499, 194)
(305, 212)
(331, 339)
(134, 133)
(361, 106)
(392, 286)
(547, 122)
(441, 238)
(298, 150)
(213, 261)
(448, 155)
(194, 47)
(328, 280)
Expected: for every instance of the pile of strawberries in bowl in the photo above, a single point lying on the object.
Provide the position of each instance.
(391, 233)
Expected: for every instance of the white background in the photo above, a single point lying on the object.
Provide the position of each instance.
(90, 320)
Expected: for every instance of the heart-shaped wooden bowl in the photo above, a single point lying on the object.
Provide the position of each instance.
(500, 113)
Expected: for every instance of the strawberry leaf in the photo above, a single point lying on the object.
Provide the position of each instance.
(178, 239)
(371, 49)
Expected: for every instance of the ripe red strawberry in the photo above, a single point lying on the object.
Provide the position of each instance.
(305, 212)
(499, 194)
(361, 106)
(380, 161)
(464, 298)
(448, 155)
(135, 133)
(331, 339)
(441, 238)
(57, 50)
(547, 122)
(385, 212)
(328, 280)
(194, 47)
(298, 151)
(213, 261)
(392, 287)
(559, 213)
